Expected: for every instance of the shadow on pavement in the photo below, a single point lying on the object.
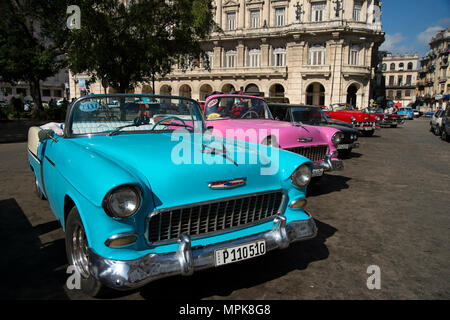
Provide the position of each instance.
(17, 130)
(224, 280)
(30, 269)
(327, 184)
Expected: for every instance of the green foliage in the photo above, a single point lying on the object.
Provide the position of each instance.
(33, 39)
(128, 45)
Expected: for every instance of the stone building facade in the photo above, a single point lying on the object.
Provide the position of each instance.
(308, 51)
(434, 74)
(400, 77)
(51, 88)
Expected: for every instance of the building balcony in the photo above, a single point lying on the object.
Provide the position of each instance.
(356, 71)
(294, 28)
(322, 70)
(237, 72)
(396, 85)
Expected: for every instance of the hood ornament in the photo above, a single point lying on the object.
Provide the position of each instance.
(227, 184)
(309, 139)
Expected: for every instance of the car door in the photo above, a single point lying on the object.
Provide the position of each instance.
(51, 178)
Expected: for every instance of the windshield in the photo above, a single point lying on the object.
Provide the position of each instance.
(307, 115)
(373, 110)
(135, 113)
(342, 107)
(237, 107)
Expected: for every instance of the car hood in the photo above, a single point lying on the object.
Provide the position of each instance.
(176, 170)
(286, 133)
(347, 115)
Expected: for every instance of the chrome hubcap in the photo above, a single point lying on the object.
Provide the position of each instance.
(80, 251)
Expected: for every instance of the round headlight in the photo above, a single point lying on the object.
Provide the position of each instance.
(378, 118)
(302, 175)
(337, 138)
(353, 119)
(122, 201)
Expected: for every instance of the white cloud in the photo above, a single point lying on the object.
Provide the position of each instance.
(425, 36)
(391, 40)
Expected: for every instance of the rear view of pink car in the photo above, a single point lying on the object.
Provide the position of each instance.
(248, 118)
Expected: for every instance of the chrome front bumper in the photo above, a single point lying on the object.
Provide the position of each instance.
(330, 165)
(127, 275)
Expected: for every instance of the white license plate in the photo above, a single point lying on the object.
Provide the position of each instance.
(239, 253)
(317, 172)
(343, 146)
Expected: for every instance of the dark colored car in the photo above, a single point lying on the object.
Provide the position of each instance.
(445, 131)
(312, 115)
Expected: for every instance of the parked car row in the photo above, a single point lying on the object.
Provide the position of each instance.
(150, 186)
(440, 123)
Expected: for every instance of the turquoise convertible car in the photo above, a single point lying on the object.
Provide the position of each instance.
(144, 191)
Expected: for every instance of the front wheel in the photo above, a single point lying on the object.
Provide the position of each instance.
(444, 135)
(393, 126)
(77, 254)
(368, 133)
(437, 131)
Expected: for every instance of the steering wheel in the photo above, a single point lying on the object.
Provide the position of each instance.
(167, 124)
(250, 111)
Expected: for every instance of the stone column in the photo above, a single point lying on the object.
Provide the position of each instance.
(336, 46)
(218, 60)
(241, 9)
(264, 53)
(240, 54)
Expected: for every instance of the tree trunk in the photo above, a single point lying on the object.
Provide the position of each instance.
(153, 83)
(35, 92)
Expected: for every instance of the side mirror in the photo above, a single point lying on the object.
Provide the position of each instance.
(46, 134)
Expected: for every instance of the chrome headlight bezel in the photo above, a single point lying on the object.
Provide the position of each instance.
(353, 118)
(337, 138)
(134, 201)
(301, 177)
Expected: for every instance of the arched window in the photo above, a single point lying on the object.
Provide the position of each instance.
(401, 66)
(392, 67)
(279, 57)
(317, 55)
(384, 67)
(410, 66)
(230, 59)
(254, 58)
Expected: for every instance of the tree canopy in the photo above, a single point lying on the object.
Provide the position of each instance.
(128, 44)
(33, 39)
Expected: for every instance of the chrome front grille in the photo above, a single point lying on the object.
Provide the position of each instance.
(211, 217)
(364, 124)
(313, 153)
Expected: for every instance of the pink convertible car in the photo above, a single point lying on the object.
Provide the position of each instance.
(248, 118)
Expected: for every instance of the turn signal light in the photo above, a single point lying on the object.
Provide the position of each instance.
(298, 203)
(120, 241)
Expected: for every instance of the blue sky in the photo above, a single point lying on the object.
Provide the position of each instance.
(410, 24)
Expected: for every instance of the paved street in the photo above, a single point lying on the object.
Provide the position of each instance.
(389, 207)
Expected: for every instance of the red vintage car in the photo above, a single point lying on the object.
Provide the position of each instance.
(365, 122)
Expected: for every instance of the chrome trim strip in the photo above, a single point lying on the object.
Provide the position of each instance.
(244, 179)
(281, 210)
(131, 274)
(50, 161)
(34, 156)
